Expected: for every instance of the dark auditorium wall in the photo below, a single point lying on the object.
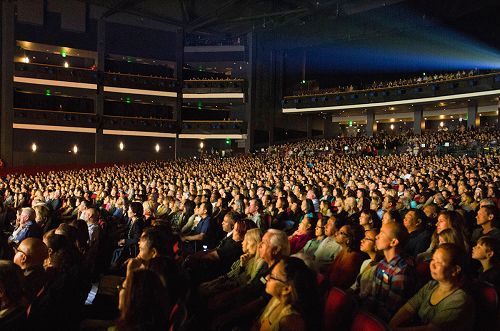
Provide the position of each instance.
(53, 148)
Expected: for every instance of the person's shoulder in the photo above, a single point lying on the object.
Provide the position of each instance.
(293, 322)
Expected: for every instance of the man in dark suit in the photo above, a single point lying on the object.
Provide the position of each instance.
(207, 265)
(29, 256)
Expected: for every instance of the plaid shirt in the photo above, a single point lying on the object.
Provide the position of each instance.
(394, 284)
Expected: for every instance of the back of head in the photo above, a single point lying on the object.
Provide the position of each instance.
(137, 209)
(146, 302)
(305, 295)
(158, 239)
(11, 284)
(35, 250)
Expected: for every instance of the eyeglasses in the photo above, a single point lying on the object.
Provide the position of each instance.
(276, 279)
(16, 249)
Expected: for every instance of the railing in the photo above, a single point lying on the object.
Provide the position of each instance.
(138, 124)
(140, 82)
(234, 126)
(51, 117)
(470, 84)
(227, 85)
(52, 72)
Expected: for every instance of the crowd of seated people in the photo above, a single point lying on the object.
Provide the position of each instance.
(406, 142)
(255, 242)
(431, 78)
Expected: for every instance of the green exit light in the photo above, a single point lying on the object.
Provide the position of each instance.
(228, 141)
(350, 123)
(128, 100)
(200, 105)
(48, 92)
(64, 54)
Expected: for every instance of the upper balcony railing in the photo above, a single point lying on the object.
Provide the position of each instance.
(52, 72)
(214, 85)
(140, 82)
(459, 88)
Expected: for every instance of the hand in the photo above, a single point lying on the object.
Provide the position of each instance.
(134, 264)
(244, 259)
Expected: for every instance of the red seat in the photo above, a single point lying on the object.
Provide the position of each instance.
(487, 310)
(339, 307)
(178, 316)
(423, 272)
(364, 321)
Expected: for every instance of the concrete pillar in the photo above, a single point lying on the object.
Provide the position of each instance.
(179, 62)
(418, 121)
(371, 125)
(304, 62)
(309, 126)
(328, 131)
(99, 98)
(336, 129)
(498, 114)
(7, 88)
(250, 100)
(472, 118)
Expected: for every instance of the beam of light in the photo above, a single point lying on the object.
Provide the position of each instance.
(405, 42)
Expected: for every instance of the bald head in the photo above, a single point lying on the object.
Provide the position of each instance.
(30, 252)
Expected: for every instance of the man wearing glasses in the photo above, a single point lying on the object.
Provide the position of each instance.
(29, 256)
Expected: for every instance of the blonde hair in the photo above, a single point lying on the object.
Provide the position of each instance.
(254, 236)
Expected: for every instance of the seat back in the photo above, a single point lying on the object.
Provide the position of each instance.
(338, 310)
(423, 272)
(364, 321)
(487, 309)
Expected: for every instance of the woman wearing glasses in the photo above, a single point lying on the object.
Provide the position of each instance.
(295, 299)
(345, 267)
(363, 285)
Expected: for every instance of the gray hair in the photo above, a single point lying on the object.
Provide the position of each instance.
(30, 212)
(279, 241)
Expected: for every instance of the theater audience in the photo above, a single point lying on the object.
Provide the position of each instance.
(12, 301)
(419, 239)
(244, 303)
(274, 190)
(30, 256)
(362, 287)
(128, 246)
(242, 270)
(304, 233)
(27, 227)
(328, 248)
(394, 276)
(486, 219)
(295, 298)
(442, 304)
(345, 267)
(143, 302)
(319, 232)
(487, 252)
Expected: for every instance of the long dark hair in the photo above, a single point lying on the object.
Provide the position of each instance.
(305, 297)
(146, 303)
